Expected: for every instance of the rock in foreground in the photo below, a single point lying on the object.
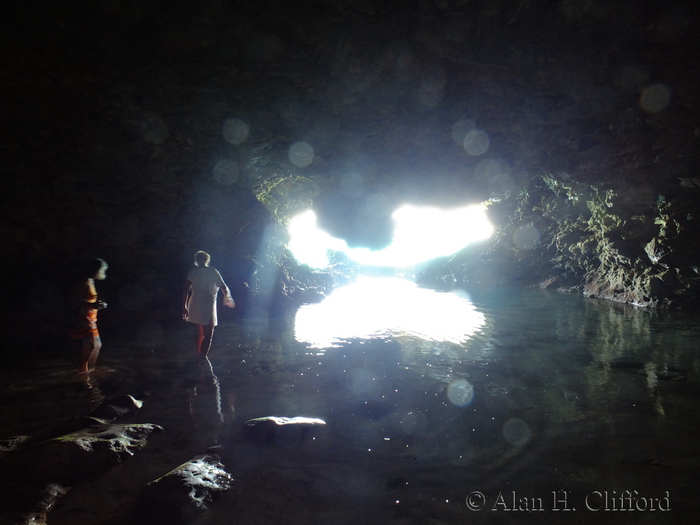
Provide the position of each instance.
(184, 492)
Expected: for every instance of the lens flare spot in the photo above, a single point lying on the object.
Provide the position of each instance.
(655, 98)
(235, 131)
(516, 432)
(460, 392)
(378, 205)
(364, 383)
(461, 129)
(226, 172)
(476, 142)
(496, 174)
(352, 184)
(431, 98)
(301, 154)
(526, 237)
(412, 423)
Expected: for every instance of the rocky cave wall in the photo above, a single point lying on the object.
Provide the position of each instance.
(141, 132)
(559, 234)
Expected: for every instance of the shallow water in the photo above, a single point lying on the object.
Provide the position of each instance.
(523, 400)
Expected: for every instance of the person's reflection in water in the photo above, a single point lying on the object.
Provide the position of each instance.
(205, 405)
(94, 391)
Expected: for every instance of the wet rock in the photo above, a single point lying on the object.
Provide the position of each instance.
(283, 431)
(73, 425)
(38, 473)
(46, 499)
(116, 407)
(184, 492)
(107, 412)
(14, 443)
(74, 456)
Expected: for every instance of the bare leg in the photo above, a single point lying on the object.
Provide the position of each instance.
(200, 339)
(92, 360)
(89, 354)
(206, 334)
(84, 358)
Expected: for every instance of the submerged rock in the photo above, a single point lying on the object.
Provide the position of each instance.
(108, 411)
(14, 443)
(650, 370)
(72, 426)
(184, 492)
(46, 499)
(115, 407)
(280, 430)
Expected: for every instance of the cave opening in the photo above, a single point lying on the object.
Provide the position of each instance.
(558, 353)
(381, 300)
(420, 234)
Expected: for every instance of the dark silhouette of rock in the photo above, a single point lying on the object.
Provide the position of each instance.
(39, 473)
(107, 412)
(115, 407)
(46, 499)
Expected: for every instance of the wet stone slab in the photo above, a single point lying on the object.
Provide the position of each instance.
(184, 492)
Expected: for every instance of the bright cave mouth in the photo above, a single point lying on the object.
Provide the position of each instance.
(420, 234)
(390, 304)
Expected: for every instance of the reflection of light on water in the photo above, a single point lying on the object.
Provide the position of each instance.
(217, 387)
(377, 308)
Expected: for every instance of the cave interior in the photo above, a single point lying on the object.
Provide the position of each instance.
(141, 132)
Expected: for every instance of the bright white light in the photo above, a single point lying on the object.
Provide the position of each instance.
(420, 234)
(376, 308)
(309, 243)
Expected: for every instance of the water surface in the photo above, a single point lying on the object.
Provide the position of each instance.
(468, 408)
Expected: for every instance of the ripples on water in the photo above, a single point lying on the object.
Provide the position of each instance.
(428, 396)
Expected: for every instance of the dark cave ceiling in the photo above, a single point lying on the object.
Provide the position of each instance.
(118, 110)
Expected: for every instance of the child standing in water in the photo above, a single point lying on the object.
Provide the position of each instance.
(199, 300)
(86, 303)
